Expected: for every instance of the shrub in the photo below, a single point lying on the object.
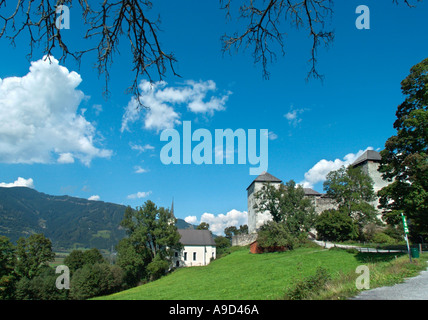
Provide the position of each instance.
(222, 246)
(158, 267)
(335, 225)
(41, 287)
(275, 235)
(383, 238)
(94, 280)
(394, 232)
(309, 285)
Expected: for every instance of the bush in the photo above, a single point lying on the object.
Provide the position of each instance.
(95, 280)
(275, 235)
(157, 268)
(309, 285)
(383, 238)
(394, 232)
(335, 225)
(77, 258)
(41, 287)
(222, 246)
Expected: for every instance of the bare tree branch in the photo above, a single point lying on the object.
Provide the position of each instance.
(110, 21)
(107, 23)
(263, 34)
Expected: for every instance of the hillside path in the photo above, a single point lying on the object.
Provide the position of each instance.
(415, 288)
(329, 245)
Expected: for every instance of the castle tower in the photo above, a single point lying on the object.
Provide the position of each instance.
(369, 163)
(255, 219)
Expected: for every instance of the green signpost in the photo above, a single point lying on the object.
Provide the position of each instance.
(406, 232)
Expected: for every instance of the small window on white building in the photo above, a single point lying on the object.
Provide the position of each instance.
(194, 256)
(185, 256)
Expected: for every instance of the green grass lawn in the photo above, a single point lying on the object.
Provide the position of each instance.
(244, 276)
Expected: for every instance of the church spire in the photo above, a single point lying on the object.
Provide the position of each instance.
(172, 220)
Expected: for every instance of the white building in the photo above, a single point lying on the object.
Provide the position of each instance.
(199, 248)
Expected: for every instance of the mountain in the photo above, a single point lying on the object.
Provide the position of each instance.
(68, 221)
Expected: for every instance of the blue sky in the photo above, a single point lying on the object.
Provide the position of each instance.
(61, 132)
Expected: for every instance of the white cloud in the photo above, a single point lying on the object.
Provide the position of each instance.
(191, 219)
(20, 182)
(221, 221)
(97, 108)
(139, 195)
(160, 100)
(141, 148)
(293, 116)
(40, 118)
(320, 170)
(223, 152)
(66, 158)
(94, 198)
(272, 136)
(138, 169)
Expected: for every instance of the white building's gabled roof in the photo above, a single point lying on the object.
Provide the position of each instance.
(194, 237)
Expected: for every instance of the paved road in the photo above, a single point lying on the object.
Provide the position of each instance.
(415, 288)
(329, 245)
(412, 289)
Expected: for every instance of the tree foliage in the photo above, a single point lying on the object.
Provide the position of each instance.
(94, 280)
(41, 287)
(231, 231)
(25, 274)
(152, 238)
(352, 189)
(287, 203)
(78, 258)
(405, 157)
(7, 265)
(335, 225)
(203, 226)
(32, 254)
(275, 235)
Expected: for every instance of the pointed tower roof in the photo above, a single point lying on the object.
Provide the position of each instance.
(368, 155)
(311, 192)
(265, 177)
(172, 220)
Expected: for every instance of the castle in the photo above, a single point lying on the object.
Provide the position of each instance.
(369, 163)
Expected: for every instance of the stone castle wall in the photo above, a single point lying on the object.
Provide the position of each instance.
(244, 239)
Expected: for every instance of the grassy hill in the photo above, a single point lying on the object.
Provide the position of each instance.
(245, 276)
(68, 221)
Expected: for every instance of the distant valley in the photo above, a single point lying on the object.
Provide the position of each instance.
(68, 221)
